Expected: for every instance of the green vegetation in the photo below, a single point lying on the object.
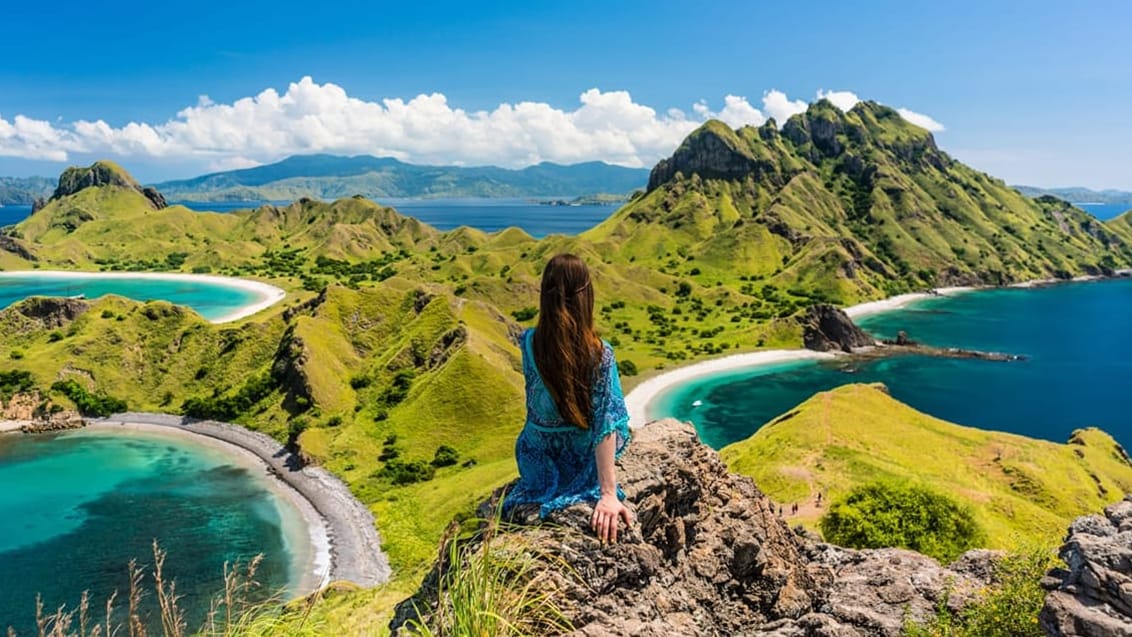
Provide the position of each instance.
(15, 382)
(1007, 608)
(488, 588)
(394, 330)
(904, 515)
(1020, 491)
(97, 404)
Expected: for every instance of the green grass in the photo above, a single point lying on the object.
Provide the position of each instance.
(696, 268)
(1021, 490)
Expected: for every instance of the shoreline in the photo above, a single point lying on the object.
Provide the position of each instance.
(639, 400)
(266, 293)
(341, 540)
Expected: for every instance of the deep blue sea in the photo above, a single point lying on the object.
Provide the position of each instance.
(488, 215)
(210, 300)
(1104, 211)
(76, 507)
(1077, 337)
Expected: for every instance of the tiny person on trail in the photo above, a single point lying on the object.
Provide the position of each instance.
(577, 424)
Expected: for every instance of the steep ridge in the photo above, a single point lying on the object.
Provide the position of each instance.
(855, 203)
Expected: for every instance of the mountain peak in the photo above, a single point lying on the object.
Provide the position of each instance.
(103, 173)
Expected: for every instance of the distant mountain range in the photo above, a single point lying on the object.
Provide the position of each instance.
(23, 190)
(331, 177)
(1076, 194)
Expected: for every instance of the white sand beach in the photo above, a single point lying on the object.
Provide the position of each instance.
(266, 294)
(640, 398)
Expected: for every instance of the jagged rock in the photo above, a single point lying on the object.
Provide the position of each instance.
(1092, 597)
(44, 312)
(826, 328)
(712, 152)
(709, 556)
(11, 244)
(37, 204)
(38, 414)
(102, 173)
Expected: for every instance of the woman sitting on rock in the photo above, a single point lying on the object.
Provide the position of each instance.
(577, 424)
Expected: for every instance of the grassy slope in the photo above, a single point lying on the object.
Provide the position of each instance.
(1022, 490)
(750, 251)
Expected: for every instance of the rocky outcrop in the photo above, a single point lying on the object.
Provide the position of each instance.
(1092, 595)
(712, 152)
(826, 328)
(36, 413)
(710, 556)
(103, 173)
(16, 247)
(48, 313)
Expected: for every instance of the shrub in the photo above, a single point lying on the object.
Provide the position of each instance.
(401, 473)
(97, 404)
(885, 514)
(445, 456)
(334, 421)
(16, 354)
(1009, 607)
(525, 314)
(627, 368)
(15, 382)
(361, 381)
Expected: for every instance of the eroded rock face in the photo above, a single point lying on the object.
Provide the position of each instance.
(102, 173)
(38, 413)
(710, 556)
(826, 328)
(1092, 596)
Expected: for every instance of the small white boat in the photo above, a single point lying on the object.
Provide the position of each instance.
(697, 403)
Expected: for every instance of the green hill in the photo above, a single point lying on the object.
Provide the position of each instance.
(333, 177)
(396, 339)
(1022, 490)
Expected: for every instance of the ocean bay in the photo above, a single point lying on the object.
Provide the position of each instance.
(1074, 338)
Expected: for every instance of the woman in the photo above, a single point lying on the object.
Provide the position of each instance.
(577, 424)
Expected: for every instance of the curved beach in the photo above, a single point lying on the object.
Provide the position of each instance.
(266, 294)
(342, 533)
(639, 399)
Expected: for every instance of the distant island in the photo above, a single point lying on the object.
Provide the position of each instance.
(330, 177)
(1077, 194)
(600, 199)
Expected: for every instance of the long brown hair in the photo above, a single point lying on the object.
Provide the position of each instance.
(566, 347)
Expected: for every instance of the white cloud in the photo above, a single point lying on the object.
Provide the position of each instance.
(780, 107)
(310, 117)
(844, 100)
(921, 120)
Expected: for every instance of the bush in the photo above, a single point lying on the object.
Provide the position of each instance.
(445, 456)
(627, 368)
(97, 404)
(229, 407)
(885, 514)
(1009, 607)
(401, 473)
(525, 314)
(15, 382)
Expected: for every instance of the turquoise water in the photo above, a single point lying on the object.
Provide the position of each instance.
(76, 507)
(210, 300)
(1077, 337)
(1104, 211)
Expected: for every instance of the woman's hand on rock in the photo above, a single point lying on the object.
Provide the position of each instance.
(608, 514)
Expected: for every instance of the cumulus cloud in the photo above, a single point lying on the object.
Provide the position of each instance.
(310, 117)
(844, 100)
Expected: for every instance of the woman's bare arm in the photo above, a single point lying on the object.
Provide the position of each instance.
(609, 511)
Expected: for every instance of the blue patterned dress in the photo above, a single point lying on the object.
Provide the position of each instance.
(556, 460)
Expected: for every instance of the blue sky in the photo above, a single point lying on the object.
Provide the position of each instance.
(1034, 92)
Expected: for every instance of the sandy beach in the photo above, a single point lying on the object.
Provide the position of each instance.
(342, 543)
(639, 399)
(267, 295)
